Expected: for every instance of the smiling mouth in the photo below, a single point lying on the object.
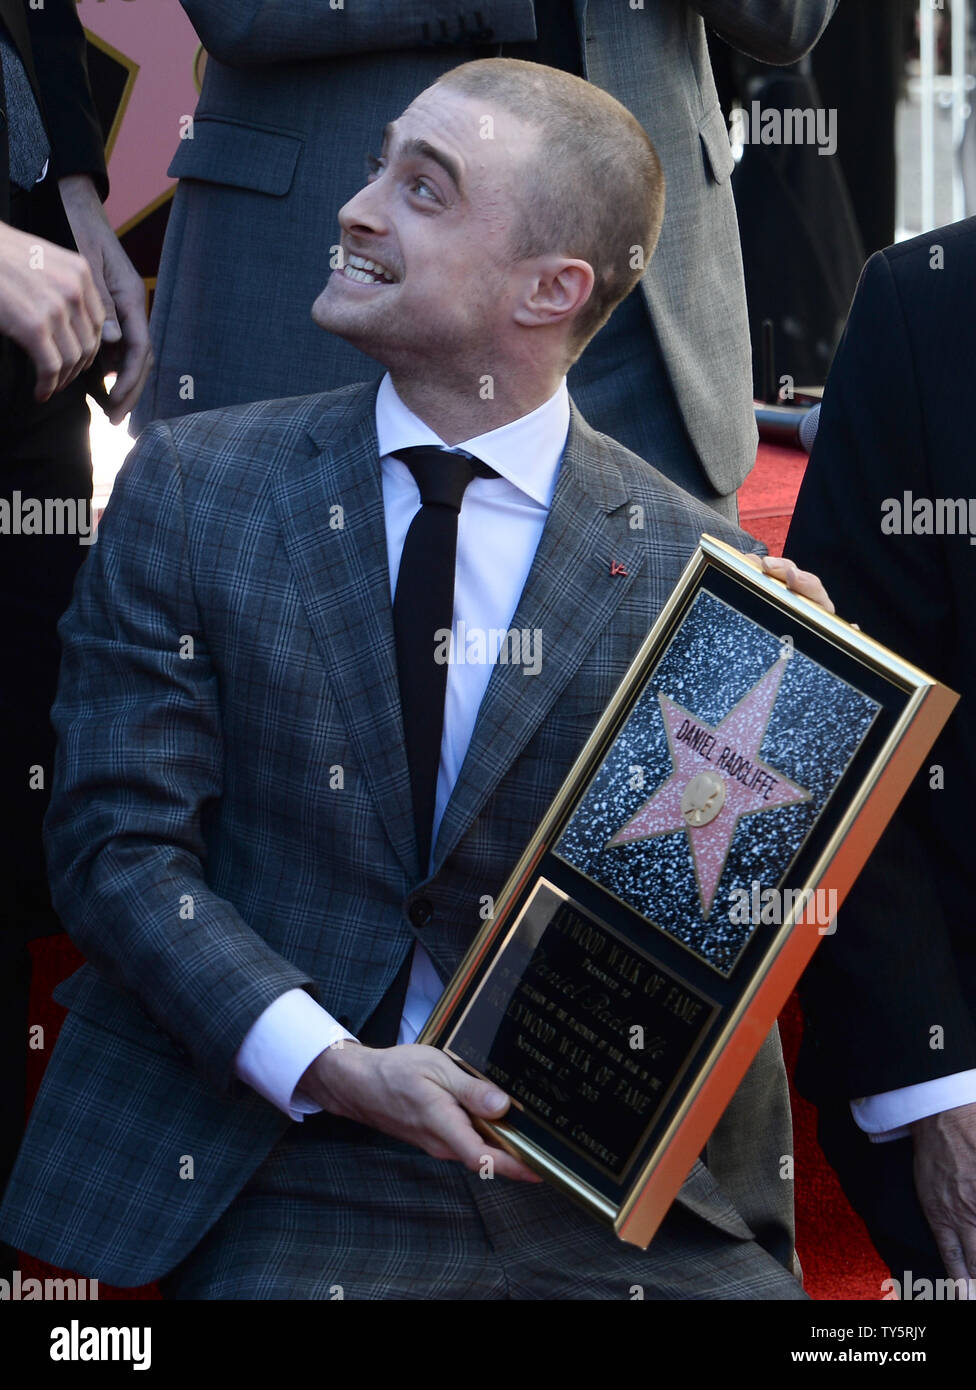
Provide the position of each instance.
(367, 272)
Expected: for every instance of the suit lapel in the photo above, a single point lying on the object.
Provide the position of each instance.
(343, 576)
(569, 598)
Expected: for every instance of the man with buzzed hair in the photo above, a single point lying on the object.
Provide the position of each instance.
(278, 846)
(588, 176)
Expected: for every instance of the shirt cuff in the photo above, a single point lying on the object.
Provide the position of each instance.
(888, 1115)
(281, 1044)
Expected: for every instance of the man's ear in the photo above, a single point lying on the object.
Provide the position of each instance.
(555, 288)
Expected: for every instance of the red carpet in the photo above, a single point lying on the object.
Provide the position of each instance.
(837, 1257)
(767, 498)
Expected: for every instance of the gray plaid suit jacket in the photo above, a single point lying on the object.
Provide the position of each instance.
(294, 93)
(228, 648)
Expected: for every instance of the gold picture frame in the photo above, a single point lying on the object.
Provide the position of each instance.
(614, 993)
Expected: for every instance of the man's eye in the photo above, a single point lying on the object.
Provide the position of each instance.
(373, 165)
(421, 186)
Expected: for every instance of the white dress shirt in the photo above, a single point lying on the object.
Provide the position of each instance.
(888, 1116)
(499, 527)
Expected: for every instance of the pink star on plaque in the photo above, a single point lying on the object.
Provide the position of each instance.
(717, 777)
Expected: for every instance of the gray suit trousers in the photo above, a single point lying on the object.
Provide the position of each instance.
(340, 1211)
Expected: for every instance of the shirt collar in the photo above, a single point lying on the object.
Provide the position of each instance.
(526, 451)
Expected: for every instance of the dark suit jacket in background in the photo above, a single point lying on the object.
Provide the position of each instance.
(295, 94)
(897, 417)
(47, 443)
(211, 777)
(43, 453)
(51, 44)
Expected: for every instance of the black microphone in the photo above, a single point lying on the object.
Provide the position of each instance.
(792, 426)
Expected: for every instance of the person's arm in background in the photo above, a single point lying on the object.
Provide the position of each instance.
(48, 302)
(876, 987)
(78, 163)
(245, 32)
(774, 31)
(58, 45)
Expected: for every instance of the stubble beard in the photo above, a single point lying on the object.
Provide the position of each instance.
(438, 354)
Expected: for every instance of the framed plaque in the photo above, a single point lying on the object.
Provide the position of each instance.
(679, 883)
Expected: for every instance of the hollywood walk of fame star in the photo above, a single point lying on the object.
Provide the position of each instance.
(156, 43)
(717, 778)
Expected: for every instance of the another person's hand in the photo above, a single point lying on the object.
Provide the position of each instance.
(945, 1180)
(414, 1093)
(125, 336)
(800, 581)
(50, 307)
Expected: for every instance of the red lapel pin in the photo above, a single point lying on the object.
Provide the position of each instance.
(617, 568)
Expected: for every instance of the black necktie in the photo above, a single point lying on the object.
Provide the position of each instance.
(28, 144)
(423, 613)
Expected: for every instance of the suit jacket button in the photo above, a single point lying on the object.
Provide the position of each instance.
(421, 911)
